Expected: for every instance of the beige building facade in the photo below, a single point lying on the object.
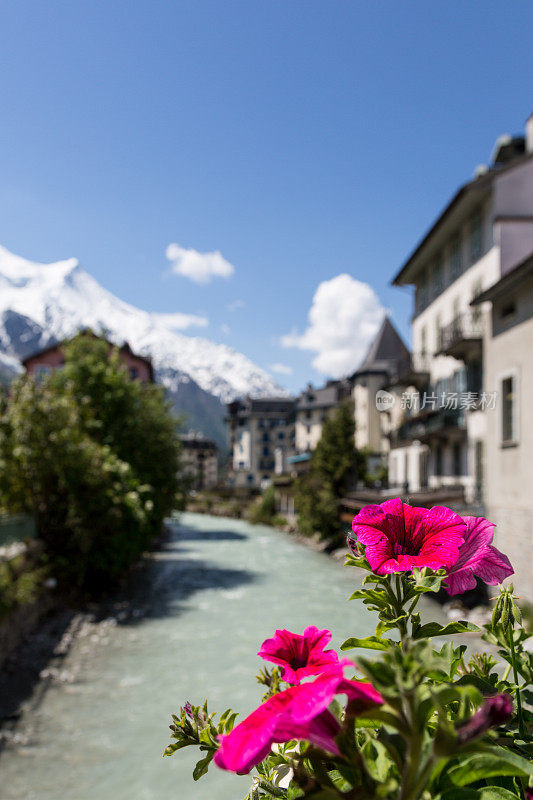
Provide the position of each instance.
(313, 406)
(261, 437)
(508, 345)
(485, 230)
(200, 461)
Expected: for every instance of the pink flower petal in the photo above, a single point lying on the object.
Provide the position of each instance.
(477, 557)
(299, 655)
(299, 712)
(399, 537)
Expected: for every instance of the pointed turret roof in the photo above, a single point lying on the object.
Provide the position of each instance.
(385, 352)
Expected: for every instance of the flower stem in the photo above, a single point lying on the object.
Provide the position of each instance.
(517, 690)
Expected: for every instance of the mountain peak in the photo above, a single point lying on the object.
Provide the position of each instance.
(53, 301)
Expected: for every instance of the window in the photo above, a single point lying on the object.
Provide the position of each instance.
(508, 310)
(456, 261)
(421, 295)
(438, 461)
(457, 466)
(438, 276)
(438, 333)
(476, 237)
(41, 371)
(509, 410)
(455, 311)
(134, 373)
(423, 342)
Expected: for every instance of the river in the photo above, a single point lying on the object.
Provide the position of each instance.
(211, 595)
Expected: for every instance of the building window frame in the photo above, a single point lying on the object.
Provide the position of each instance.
(476, 236)
(456, 257)
(509, 436)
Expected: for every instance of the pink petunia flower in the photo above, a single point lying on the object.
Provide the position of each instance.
(300, 655)
(477, 556)
(299, 712)
(495, 711)
(399, 537)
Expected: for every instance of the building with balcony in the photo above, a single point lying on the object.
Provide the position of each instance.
(312, 408)
(200, 461)
(261, 437)
(448, 409)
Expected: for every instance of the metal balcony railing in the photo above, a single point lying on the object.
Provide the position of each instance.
(465, 328)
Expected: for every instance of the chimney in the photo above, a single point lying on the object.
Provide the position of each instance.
(529, 134)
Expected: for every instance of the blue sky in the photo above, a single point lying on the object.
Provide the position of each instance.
(301, 140)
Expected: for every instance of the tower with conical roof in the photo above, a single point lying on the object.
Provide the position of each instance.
(384, 359)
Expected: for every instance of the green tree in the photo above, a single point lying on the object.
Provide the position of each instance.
(335, 464)
(95, 457)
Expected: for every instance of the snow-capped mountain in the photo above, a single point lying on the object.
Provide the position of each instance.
(43, 303)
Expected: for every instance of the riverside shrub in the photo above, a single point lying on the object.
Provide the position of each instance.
(98, 481)
(420, 721)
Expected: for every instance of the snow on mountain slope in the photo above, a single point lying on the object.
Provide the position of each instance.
(40, 303)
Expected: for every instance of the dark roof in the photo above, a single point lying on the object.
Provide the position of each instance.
(482, 183)
(197, 443)
(325, 397)
(385, 352)
(511, 280)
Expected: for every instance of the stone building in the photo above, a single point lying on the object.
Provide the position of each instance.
(200, 461)
(261, 436)
(312, 408)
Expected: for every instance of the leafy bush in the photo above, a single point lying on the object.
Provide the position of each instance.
(263, 510)
(19, 584)
(95, 457)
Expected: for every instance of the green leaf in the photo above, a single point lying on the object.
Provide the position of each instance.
(370, 643)
(202, 766)
(377, 760)
(435, 629)
(492, 762)
(485, 793)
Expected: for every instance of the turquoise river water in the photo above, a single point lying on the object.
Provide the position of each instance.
(216, 590)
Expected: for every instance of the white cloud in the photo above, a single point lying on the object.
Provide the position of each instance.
(179, 321)
(235, 305)
(281, 369)
(199, 267)
(226, 330)
(343, 320)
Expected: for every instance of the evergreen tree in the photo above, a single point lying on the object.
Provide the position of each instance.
(335, 464)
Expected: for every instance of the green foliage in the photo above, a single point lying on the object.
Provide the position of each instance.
(434, 737)
(335, 464)
(95, 457)
(264, 510)
(19, 583)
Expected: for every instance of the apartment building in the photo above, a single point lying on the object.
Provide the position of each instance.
(261, 436)
(312, 408)
(448, 407)
(200, 461)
